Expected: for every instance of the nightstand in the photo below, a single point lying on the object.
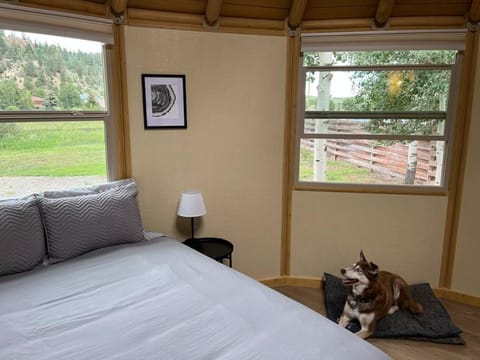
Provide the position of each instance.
(215, 248)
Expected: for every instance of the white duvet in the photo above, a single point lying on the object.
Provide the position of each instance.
(160, 300)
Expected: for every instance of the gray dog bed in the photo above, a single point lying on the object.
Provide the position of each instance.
(433, 325)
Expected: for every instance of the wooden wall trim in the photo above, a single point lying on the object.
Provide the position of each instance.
(300, 281)
(317, 283)
(120, 96)
(293, 54)
(457, 296)
(179, 21)
(310, 26)
(395, 23)
(164, 25)
(458, 160)
(374, 190)
(164, 16)
(241, 23)
(427, 22)
(77, 6)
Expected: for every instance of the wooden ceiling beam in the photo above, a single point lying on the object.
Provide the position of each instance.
(118, 7)
(76, 6)
(296, 13)
(212, 11)
(474, 13)
(384, 11)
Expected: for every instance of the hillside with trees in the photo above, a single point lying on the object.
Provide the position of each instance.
(39, 76)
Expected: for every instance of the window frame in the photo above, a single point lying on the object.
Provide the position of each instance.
(448, 136)
(106, 116)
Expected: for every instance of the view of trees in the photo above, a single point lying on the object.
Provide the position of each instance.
(395, 91)
(39, 76)
(399, 91)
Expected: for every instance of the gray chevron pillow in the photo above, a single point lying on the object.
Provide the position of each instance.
(89, 190)
(76, 225)
(22, 242)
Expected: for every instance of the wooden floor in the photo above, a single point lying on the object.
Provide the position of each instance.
(464, 316)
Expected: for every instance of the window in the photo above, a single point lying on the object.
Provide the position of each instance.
(54, 113)
(376, 118)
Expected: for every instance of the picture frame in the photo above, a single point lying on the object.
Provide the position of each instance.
(164, 101)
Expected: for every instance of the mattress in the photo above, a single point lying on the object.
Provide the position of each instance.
(160, 300)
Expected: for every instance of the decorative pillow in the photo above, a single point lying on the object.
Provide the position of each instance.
(76, 225)
(22, 241)
(90, 190)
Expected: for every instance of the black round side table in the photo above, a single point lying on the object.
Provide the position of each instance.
(215, 248)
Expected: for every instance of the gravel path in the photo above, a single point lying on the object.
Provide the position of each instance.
(25, 185)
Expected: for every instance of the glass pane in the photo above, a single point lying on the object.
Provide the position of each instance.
(372, 162)
(375, 126)
(51, 155)
(378, 90)
(388, 57)
(42, 72)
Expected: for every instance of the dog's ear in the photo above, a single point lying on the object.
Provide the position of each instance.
(362, 256)
(373, 269)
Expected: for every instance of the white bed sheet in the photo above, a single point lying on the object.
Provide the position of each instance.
(160, 300)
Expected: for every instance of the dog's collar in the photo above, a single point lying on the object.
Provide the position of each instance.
(360, 299)
(357, 299)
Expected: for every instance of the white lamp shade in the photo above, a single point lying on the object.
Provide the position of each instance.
(191, 204)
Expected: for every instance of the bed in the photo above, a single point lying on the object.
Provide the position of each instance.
(158, 299)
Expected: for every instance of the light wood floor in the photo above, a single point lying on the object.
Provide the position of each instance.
(464, 316)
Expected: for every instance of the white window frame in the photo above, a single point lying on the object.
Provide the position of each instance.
(436, 40)
(73, 26)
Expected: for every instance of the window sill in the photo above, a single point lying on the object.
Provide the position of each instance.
(373, 189)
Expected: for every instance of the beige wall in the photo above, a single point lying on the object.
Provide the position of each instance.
(403, 234)
(232, 149)
(465, 277)
(232, 152)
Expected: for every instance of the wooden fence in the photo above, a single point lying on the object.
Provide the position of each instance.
(388, 160)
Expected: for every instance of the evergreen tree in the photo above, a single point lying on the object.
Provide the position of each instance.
(50, 102)
(92, 102)
(29, 69)
(69, 97)
(10, 95)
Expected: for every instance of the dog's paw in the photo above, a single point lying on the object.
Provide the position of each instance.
(392, 309)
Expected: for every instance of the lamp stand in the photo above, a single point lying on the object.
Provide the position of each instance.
(195, 243)
(191, 221)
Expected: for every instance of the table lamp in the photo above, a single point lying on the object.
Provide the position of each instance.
(191, 205)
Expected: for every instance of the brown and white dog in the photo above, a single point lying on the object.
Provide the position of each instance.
(373, 294)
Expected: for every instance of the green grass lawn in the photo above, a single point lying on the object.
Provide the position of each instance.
(339, 171)
(53, 149)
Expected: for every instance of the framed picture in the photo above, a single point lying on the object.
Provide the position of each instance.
(164, 101)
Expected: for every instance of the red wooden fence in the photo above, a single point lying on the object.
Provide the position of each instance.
(388, 160)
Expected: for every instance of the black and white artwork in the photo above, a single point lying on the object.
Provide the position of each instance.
(164, 101)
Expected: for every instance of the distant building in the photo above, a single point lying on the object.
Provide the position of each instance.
(38, 102)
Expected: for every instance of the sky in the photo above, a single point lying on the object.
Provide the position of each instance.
(341, 86)
(65, 43)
